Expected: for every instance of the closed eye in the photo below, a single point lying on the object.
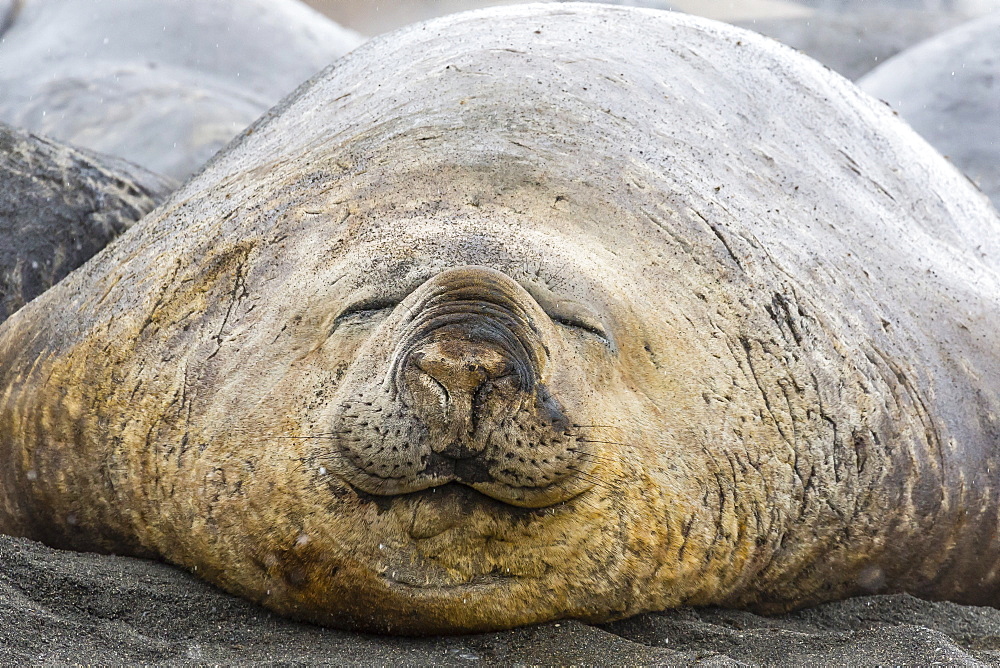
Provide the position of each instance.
(363, 311)
(568, 312)
(581, 322)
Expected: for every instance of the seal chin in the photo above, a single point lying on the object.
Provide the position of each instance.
(408, 580)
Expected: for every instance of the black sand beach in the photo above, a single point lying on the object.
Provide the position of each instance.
(66, 607)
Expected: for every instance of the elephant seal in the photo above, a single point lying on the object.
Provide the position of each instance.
(947, 88)
(854, 36)
(849, 36)
(58, 207)
(501, 320)
(161, 83)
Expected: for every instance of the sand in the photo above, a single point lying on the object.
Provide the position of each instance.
(67, 607)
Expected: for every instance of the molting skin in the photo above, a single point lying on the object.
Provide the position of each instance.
(473, 333)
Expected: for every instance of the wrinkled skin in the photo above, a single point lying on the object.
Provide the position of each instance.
(426, 353)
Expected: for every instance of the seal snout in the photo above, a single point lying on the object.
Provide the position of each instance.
(470, 347)
(462, 369)
(459, 375)
(455, 378)
(463, 398)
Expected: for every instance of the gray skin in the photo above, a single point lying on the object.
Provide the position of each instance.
(948, 89)
(162, 83)
(849, 36)
(503, 320)
(852, 41)
(58, 207)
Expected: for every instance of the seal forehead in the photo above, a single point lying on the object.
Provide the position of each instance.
(394, 256)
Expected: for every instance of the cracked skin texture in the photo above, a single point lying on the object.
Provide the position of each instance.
(787, 391)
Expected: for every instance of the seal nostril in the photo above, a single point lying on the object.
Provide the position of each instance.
(435, 384)
(461, 367)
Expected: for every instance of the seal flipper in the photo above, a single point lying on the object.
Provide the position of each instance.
(58, 207)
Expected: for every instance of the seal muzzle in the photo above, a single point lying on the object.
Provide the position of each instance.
(462, 398)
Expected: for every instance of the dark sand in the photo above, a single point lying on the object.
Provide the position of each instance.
(65, 607)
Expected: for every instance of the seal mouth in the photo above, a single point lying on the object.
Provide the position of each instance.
(376, 489)
(454, 493)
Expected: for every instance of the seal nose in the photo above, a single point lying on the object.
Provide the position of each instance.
(458, 386)
(462, 367)
(469, 357)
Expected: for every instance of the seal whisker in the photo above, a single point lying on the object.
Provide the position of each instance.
(595, 480)
(589, 440)
(577, 498)
(597, 457)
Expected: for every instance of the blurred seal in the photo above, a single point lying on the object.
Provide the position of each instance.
(58, 207)
(947, 88)
(162, 83)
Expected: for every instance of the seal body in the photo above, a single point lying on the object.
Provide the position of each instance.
(58, 207)
(500, 321)
(852, 37)
(948, 89)
(164, 84)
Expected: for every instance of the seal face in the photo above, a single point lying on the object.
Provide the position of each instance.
(472, 333)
